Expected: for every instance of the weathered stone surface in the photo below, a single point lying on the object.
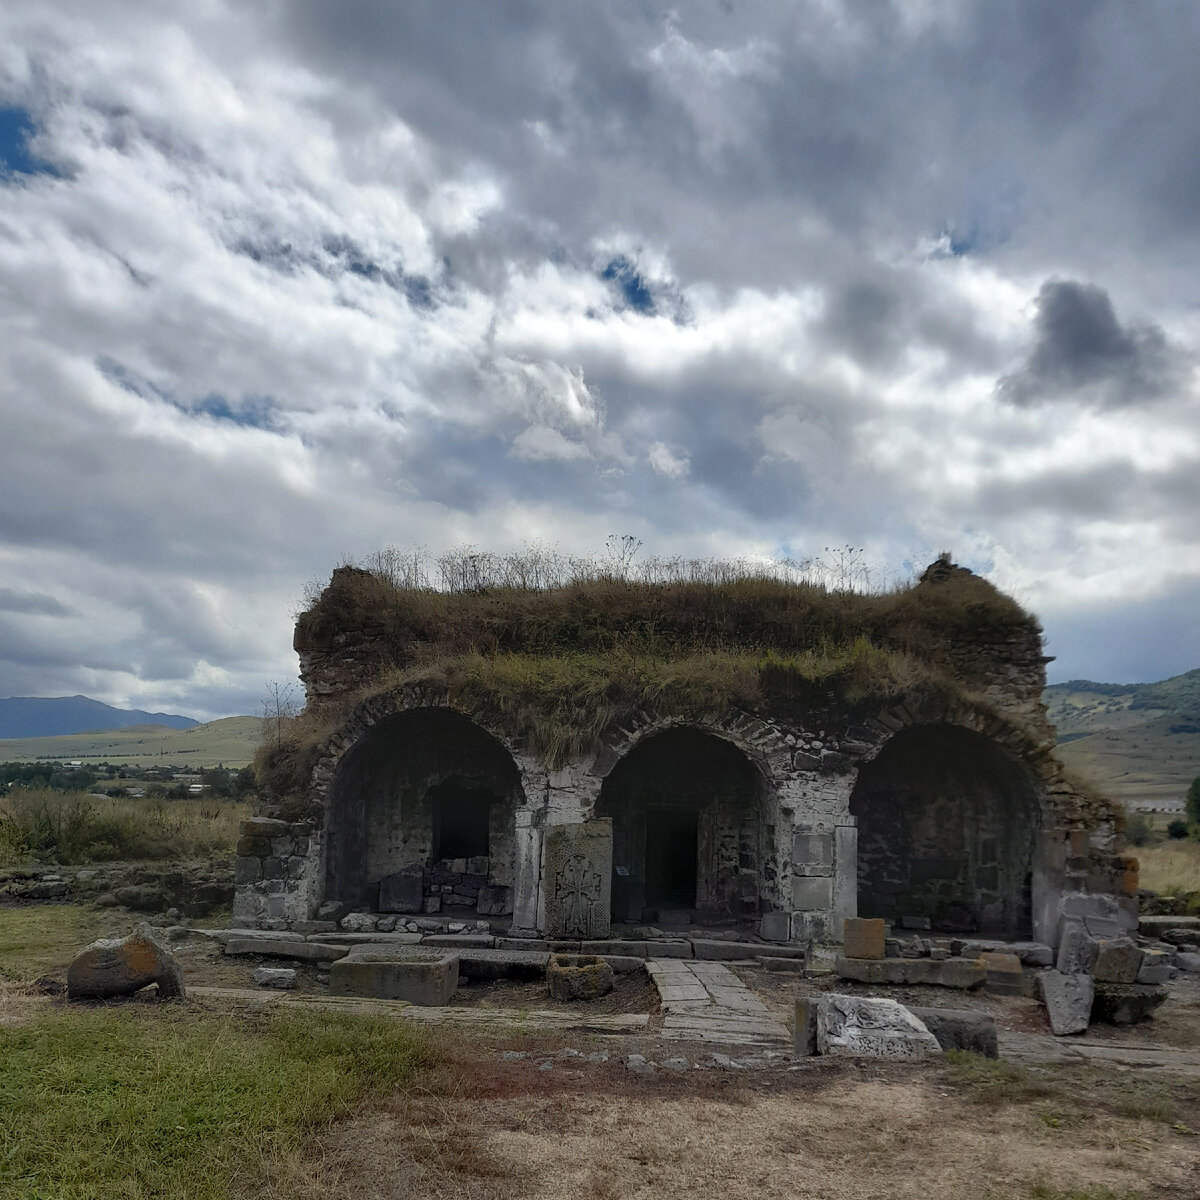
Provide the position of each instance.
(1004, 977)
(775, 927)
(270, 947)
(1076, 948)
(1118, 960)
(964, 973)
(424, 977)
(1186, 961)
(274, 977)
(718, 950)
(863, 937)
(960, 1029)
(494, 900)
(578, 879)
(1181, 935)
(122, 966)
(1031, 954)
(403, 892)
(1068, 1001)
(875, 1028)
(788, 966)
(578, 977)
(474, 941)
(804, 1028)
(1153, 926)
(1125, 1003)
(358, 923)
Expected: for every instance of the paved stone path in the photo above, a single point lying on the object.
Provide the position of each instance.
(1037, 1048)
(707, 1002)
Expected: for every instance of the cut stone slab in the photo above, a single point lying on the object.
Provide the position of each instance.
(423, 977)
(871, 1027)
(1004, 975)
(1031, 954)
(775, 927)
(720, 950)
(1068, 1001)
(578, 879)
(963, 973)
(789, 966)
(804, 1028)
(462, 941)
(1126, 1003)
(358, 923)
(960, 1029)
(1153, 925)
(503, 964)
(283, 978)
(403, 892)
(1118, 960)
(863, 937)
(1181, 935)
(121, 966)
(272, 948)
(1186, 961)
(1076, 948)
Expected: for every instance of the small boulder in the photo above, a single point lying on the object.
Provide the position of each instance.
(960, 1029)
(1118, 960)
(1187, 961)
(121, 966)
(358, 923)
(1126, 1003)
(578, 977)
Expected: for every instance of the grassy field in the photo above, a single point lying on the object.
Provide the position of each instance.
(76, 827)
(231, 741)
(1170, 867)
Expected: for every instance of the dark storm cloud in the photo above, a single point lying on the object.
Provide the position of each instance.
(1081, 349)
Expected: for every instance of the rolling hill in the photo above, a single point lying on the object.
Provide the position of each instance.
(231, 741)
(51, 716)
(1138, 741)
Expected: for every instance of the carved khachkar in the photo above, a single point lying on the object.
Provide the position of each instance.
(578, 879)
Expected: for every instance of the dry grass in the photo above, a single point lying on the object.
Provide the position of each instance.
(76, 827)
(1170, 868)
(831, 1131)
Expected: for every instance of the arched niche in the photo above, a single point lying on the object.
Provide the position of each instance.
(947, 825)
(424, 791)
(690, 842)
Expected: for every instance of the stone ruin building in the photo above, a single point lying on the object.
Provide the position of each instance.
(938, 807)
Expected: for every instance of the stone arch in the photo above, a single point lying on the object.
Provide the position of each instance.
(405, 782)
(949, 820)
(692, 832)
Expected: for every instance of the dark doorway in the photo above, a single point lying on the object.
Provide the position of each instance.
(671, 859)
(461, 817)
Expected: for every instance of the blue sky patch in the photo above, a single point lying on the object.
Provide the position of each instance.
(624, 273)
(16, 129)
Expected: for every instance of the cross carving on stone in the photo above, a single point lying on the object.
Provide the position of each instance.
(579, 886)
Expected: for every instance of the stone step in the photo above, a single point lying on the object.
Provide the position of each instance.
(283, 948)
(715, 949)
(965, 973)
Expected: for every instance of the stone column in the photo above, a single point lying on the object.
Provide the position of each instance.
(527, 881)
(578, 879)
(812, 883)
(845, 879)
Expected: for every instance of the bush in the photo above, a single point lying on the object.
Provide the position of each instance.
(1139, 830)
(1177, 829)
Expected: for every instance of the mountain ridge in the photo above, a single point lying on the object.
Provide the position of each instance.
(56, 716)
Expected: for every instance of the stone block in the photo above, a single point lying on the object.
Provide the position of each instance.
(578, 879)
(494, 900)
(428, 978)
(1068, 1000)
(1031, 954)
(358, 923)
(403, 892)
(578, 977)
(264, 827)
(433, 904)
(786, 966)
(1004, 975)
(813, 850)
(1184, 935)
(245, 870)
(863, 937)
(1126, 1003)
(719, 950)
(1076, 948)
(874, 1028)
(121, 966)
(283, 978)
(804, 1028)
(283, 948)
(914, 922)
(1152, 925)
(1104, 927)
(775, 927)
(479, 866)
(1118, 960)
(960, 1029)
(812, 893)
(963, 973)
(467, 941)
(1187, 961)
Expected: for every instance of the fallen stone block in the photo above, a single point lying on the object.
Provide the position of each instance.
(1126, 1003)
(788, 966)
(1031, 954)
(424, 977)
(358, 923)
(578, 977)
(775, 927)
(863, 937)
(121, 966)
(960, 1029)
(1076, 949)
(871, 1027)
(963, 973)
(1187, 961)
(1183, 935)
(1118, 960)
(804, 1028)
(283, 978)
(464, 941)
(300, 950)
(1004, 974)
(624, 964)
(1068, 1000)
(503, 964)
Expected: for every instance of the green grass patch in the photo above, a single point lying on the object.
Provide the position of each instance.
(41, 939)
(993, 1082)
(136, 1102)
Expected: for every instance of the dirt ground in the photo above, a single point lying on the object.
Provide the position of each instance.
(829, 1130)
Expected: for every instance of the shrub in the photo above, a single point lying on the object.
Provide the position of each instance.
(1139, 830)
(1177, 829)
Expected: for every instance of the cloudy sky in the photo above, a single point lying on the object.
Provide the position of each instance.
(284, 282)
